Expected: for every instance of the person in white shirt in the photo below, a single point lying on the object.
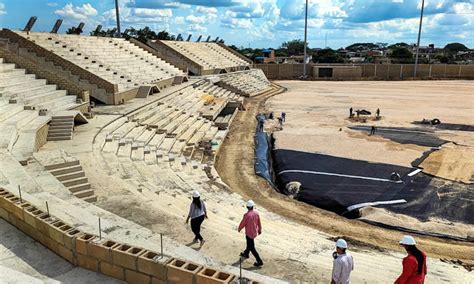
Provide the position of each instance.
(343, 264)
(197, 213)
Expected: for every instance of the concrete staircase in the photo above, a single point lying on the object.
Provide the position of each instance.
(71, 175)
(61, 128)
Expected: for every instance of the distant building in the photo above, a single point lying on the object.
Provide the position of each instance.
(268, 57)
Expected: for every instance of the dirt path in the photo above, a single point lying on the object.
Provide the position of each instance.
(235, 165)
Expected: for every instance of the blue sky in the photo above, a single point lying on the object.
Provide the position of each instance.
(262, 23)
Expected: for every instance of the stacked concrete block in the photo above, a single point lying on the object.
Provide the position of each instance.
(212, 276)
(181, 271)
(121, 261)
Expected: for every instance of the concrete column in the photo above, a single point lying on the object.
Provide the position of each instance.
(460, 68)
(401, 71)
(431, 67)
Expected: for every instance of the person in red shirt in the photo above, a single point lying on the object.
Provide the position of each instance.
(414, 264)
(253, 228)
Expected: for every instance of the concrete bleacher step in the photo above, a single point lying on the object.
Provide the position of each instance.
(52, 137)
(83, 193)
(13, 86)
(76, 181)
(71, 176)
(9, 110)
(61, 128)
(66, 170)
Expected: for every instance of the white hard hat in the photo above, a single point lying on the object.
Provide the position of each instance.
(196, 194)
(408, 240)
(250, 203)
(341, 243)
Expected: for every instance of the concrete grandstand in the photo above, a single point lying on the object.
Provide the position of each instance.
(106, 186)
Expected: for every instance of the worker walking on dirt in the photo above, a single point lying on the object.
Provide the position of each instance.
(280, 122)
(197, 213)
(377, 113)
(253, 228)
(343, 263)
(283, 116)
(372, 130)
(414, 265)
(350, 112)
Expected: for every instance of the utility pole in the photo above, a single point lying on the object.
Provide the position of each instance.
(117, 14)
(305, 38)
(419, 36)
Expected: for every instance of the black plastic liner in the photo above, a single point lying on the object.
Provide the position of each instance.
(263, 165)
(337, 185)
(447, 126)
(416, 136)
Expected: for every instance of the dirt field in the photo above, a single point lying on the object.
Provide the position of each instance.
(315, 112)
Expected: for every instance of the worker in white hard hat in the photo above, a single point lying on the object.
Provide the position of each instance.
(343, 263)
(197, 213)
(253, 228)
(414, 264)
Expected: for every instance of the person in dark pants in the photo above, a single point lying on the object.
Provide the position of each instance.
(197, 213)
(377, 113)
(253, 228)
(350, 112)
(283, 116)
(372, 130)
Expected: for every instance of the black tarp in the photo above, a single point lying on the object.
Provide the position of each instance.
(416, 136)
(262, 165)
(334, 184)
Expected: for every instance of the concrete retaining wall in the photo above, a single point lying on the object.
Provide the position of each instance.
(369, 71)
(121, 261)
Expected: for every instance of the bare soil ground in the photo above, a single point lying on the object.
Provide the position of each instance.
(312, 105)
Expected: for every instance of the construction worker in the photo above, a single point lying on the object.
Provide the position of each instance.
(377, 113)
(372, 130)
(414, 264)
(253, 228)
(343, 263)
(283, 116)
(197, 213)
(350, 112)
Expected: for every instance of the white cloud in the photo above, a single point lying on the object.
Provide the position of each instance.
(52, 4)
(2, 9)
(78, 13)
(196, 19)
(206, 10)
(197, 28)
(179, 20)
(151, 13)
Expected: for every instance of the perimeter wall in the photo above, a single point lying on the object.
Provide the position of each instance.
(368, 71)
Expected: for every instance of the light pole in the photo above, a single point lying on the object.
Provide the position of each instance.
(117, 15)
(419, 36)
(305, 37)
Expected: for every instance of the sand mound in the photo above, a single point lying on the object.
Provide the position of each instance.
(452, 162)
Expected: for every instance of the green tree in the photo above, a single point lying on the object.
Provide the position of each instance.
(401, 53)
(455, 47)
(327, 55)
(361, 46)
(294, 47)
(399, 44)
(74, 31)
